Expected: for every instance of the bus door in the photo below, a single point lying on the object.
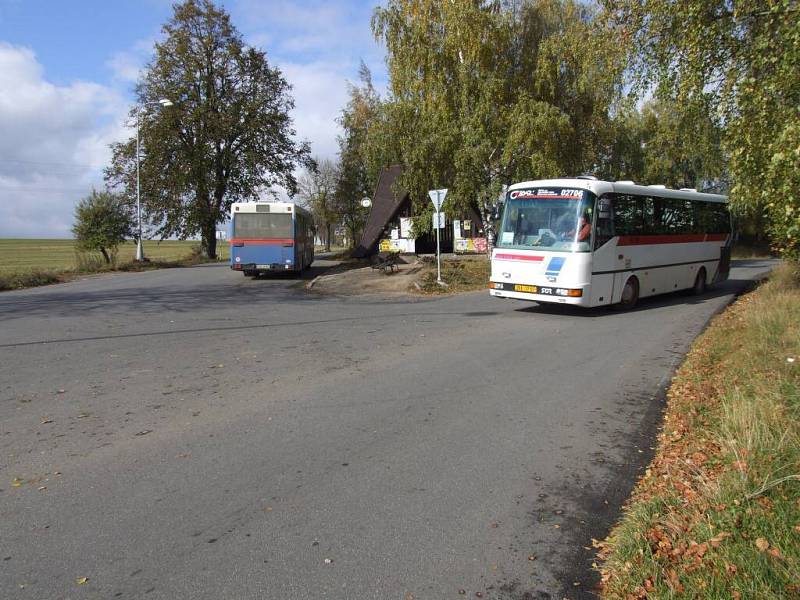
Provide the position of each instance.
(604, 256)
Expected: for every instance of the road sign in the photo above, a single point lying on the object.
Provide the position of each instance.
(366, 202)
(437, 197)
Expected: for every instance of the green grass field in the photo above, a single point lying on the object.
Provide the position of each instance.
(18, 255)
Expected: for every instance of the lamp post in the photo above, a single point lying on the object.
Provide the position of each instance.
(164, 102)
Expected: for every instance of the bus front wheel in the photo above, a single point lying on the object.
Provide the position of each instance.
(630, 294)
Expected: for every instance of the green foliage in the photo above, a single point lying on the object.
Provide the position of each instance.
(781, 191)
(102, 222)
(666, 142)
(484, 94)
(360, 150)
(742, 56)
(227, 137)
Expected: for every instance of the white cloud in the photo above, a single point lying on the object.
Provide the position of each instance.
(318, 46)
(54, 141)
(54, 144)
(319, 91)
(127, 65)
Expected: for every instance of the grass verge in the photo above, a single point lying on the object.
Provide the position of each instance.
(87, 264)
(461, 275)
(717, 513)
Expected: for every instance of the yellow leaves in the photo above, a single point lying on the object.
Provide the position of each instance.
(17, 482)
(82, 580)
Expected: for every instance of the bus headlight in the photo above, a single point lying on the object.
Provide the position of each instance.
(570, 293)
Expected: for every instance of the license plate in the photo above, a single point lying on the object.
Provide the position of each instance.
(531, 289)
(262, 266)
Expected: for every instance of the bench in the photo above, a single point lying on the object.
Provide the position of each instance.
(386, 261)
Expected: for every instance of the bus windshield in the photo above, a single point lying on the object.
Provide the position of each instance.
(262, 226)
(550, 219)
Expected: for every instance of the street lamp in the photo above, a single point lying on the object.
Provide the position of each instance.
(164, 102)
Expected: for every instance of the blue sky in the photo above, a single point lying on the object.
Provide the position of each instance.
(67, 68)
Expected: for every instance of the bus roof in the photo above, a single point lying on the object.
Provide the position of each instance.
(274, 207)
(623, 187)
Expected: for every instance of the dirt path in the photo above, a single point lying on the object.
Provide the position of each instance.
(366, 280)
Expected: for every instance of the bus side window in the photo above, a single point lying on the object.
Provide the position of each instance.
(604, 225)
(628, 215)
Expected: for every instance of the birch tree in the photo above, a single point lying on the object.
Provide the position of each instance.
(485, 93)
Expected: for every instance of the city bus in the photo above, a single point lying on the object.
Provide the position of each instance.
(590, 243)
(270, 236)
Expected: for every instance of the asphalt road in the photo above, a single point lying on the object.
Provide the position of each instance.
(190, 433)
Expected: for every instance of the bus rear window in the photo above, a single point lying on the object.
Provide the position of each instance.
(262, 226)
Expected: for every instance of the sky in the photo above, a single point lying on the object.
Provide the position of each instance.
(67, 70)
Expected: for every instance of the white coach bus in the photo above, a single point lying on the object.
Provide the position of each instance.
(591, 243)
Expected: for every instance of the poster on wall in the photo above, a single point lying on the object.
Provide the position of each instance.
(405, 227)
(398, 245)
(469, 245)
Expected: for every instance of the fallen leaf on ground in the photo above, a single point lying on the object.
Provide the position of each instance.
(775, 553)
(82, 580)
(762, 544)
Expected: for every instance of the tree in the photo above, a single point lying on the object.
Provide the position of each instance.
(744, 56)
(317, 190)
(361, 148)
(102, 222)
(485, 93)
(665, 142)
(228, 136)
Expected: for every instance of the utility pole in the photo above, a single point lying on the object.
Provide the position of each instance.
(163, 103)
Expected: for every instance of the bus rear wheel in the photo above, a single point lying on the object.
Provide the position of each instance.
(699, 287)
(630, 294)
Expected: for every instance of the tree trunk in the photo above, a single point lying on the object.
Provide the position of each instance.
(488, 230)
(208, 244)
(328, 237)
(104, 252)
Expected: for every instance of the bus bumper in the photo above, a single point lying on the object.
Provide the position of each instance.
(579, 296)
(262, 268)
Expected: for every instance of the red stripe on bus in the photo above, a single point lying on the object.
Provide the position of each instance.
(286, 241)
(686, 238)
(518, 257)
